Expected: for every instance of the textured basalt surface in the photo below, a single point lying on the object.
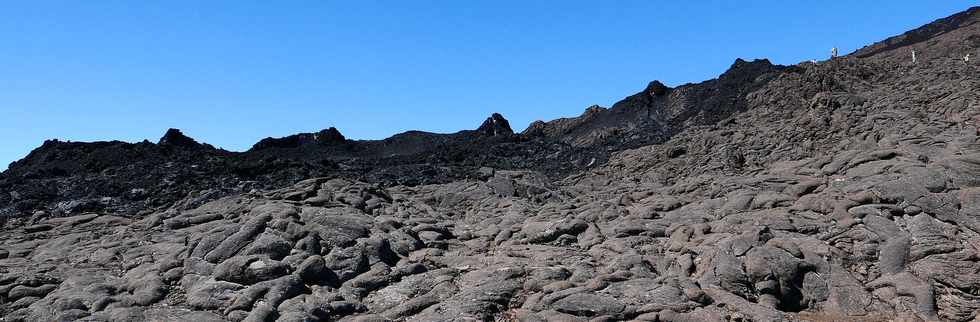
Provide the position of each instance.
(842, 190)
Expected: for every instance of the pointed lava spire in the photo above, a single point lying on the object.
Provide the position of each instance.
(495, 125)
(656, 88)
(329, 136)
(174, 137)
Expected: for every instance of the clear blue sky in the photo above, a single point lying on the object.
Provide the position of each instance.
(232, 72)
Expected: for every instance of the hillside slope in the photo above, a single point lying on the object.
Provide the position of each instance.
(132, 179)
(841, 190)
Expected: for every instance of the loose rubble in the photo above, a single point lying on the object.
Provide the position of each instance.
(846, 190)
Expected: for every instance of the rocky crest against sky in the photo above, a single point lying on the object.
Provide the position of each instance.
(845, 189)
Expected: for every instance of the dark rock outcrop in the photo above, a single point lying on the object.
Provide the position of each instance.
(327, 137)
(495, 125)
(175, 138)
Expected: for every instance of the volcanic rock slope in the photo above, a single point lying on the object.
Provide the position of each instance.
(842, 190)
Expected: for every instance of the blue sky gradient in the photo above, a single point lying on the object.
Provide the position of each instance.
(232, 72)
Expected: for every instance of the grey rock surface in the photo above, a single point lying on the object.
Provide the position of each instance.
(843, 190)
